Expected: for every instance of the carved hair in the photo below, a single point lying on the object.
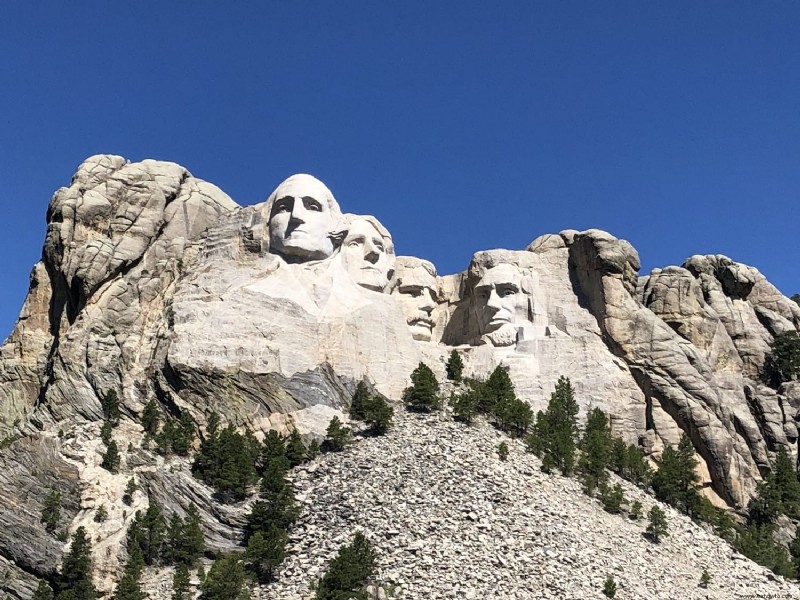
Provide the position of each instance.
(409, 263)
(347, 221)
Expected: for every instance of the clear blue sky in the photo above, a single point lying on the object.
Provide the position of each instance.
(461, 125)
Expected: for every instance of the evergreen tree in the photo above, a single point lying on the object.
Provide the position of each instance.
(130, 490)
(610, 587)
(794, 551)
(423, 393)
(101, 514)
(464, 405)
(106, 431)
(502, 451)
(337, 436)
(348, 572)
(675, 482)
(51, 511)
(313, 450)
(43, 592)
(276, 504)
(705, 578)
(75, 580)
(758, 544)
(596, 450)
(497, 389)
(273, 446)
(128, 587)
(454, 366)
(111, 458)
(226, 580)
(358, 406)
(265, 552)
(783, 361)
(148, 531)
(174, 535)
(765, 506)
(796, 299)
(180, 583)
(558, 429)
(151, 418)
(227, 461)
(636, 469)
(192, 542)
(787, 483)
(110, 405)
(183, 435)
(295, 449)
(377, 414)
(164, 438)
(657, 524)
(612, 498)
(636, 510)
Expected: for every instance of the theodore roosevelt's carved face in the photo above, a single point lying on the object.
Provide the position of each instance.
(368, 255)
(415, 287)
(501, 305)
(302, 214)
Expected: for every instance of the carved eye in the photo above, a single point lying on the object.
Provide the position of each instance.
(378, 245)
(356, 241)
(283, 206)
(312, 204)
(507, 291)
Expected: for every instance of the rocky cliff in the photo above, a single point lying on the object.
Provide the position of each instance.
(157, 285)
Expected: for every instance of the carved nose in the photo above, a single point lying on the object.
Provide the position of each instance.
(299, 212)
(494, 301)
(371, 256)
(428, 303)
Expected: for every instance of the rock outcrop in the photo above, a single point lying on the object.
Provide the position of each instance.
(157, 285)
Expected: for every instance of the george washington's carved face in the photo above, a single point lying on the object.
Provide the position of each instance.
(302, 214)
(368, 256)
(500, 304)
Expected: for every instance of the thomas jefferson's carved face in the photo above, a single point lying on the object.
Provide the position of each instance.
(300, 219)
(367, 255)
(500, 304)
(416, 292)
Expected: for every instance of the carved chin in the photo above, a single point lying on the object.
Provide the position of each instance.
(420, 331)
(505, 336)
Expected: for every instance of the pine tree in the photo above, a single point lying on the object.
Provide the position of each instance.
(612, 498)
(227, 461)
(358, 406)
(766, 505)
(337, 436)
(502, 451)
(227, 579)
(128, 587)
(101, 514)
(265, 552)
(423, 393)
(675, 482)
(454, 366)
(559, 428)
(111, 458)
(130, 490)
(148, 531)
(794, 552)
(596, 450)
(705, 578)
(787, 483)
(51, 511)
(497, 389)
(110, 405)
(180, 583)
(75, 580)
(636, 510)
(313, 450)
(783, 361)
(106, 431)
(192, 542)
(276, 505)
(610, 587)
(183, 435)
(657, 524)
(378, 414)
(465, 405)
(151, 418)
(295, 449)
(348, 572)
(43, 592)
(273, 446)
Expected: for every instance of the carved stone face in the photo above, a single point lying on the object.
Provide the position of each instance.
(501, 305)
(416, 291)
(367, 255)
(302, 215)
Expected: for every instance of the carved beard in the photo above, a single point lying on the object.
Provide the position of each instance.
(505, 336)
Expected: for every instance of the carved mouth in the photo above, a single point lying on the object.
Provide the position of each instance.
(427, 323)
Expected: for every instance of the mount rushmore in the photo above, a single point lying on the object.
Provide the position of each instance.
(156, 284)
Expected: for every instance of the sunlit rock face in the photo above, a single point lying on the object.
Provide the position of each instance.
(158, 285)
